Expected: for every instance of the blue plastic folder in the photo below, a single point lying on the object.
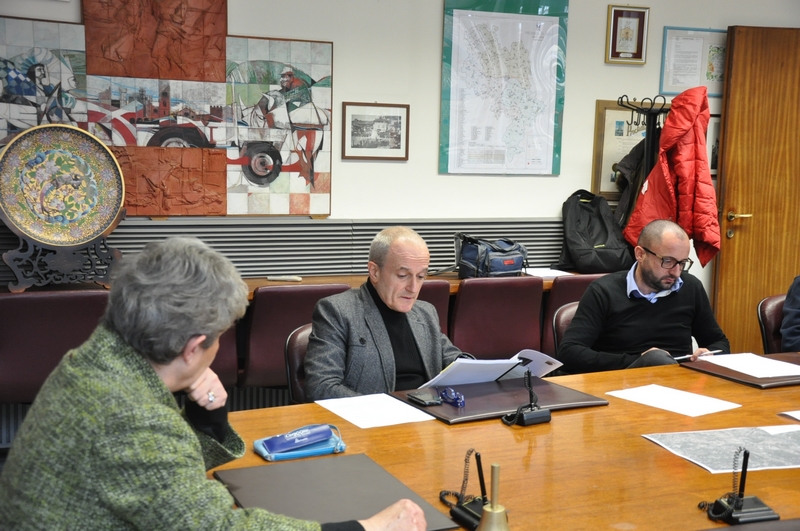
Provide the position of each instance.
(307, 441)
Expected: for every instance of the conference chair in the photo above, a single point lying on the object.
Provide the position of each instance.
(226, 363)
(561, 321)
(274, 313)
(36, 329)
(497, 317)
(437, 292)
(296, 347)
(569, 288)
(770, 316)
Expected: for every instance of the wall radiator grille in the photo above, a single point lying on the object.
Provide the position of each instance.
(291, 246)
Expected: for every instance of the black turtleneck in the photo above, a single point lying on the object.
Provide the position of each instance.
(409, 369)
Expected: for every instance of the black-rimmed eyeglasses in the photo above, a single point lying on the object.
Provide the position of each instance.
(667, 262)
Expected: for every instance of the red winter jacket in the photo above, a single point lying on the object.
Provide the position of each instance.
(679, 186)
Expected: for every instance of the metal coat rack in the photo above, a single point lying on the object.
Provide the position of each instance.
(649, 112)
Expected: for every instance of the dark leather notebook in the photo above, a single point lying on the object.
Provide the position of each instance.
(336, 488)
(490, 400)
(736, 376)
(774, 525)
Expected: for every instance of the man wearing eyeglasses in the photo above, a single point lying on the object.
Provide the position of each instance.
(647, 315)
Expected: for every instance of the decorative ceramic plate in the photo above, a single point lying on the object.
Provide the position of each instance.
(59, 186)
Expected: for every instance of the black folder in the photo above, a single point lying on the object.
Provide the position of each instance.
(336, 488)
(494, 399)
(736, 376)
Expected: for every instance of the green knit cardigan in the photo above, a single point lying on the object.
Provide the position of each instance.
(104, 446)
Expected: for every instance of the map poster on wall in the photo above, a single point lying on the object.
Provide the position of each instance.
(502, 89)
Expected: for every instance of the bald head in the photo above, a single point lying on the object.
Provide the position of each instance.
(654, 232)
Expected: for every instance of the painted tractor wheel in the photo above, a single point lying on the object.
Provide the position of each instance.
(265, 164)
(174, 137)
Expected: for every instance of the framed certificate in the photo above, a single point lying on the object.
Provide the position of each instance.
(626, 35)
(692, 58)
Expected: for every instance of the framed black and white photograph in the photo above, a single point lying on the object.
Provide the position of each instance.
(374, 131)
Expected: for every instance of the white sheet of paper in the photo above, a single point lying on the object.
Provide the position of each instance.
(689, 404)
(783, 428)
(545, 272)
(753, 365)
(372, 411)
(794, 414)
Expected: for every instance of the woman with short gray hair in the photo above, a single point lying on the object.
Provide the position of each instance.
(178, 289)
(105, 446)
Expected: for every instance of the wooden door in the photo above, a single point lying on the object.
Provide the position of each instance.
(759, 174)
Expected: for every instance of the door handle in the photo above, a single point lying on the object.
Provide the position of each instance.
(733, 215)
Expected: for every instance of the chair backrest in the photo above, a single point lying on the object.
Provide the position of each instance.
(561, 321)
(226, 364)
(437, 292)
(770, 316)
(497, 317)
(296, 346)
(273, 313)
(36, 329)
(568, 288)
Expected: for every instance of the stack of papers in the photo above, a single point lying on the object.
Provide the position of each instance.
(466, 371)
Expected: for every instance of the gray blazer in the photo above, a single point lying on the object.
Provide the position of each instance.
(349, 351)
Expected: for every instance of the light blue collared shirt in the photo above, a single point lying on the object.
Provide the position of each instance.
(633, 289)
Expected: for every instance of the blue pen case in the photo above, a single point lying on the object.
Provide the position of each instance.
(308, 441)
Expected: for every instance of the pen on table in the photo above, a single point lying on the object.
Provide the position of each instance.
(480, 476)
(709, 353)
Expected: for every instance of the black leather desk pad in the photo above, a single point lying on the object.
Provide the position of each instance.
(335, 488)
(772, 525)
(490, 400)
(736, 376)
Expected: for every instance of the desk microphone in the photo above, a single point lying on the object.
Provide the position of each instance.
(736, 508)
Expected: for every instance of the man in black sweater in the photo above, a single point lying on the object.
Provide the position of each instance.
(645, 316)
(790, 326)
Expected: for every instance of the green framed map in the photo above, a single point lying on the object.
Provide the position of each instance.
(503, 72)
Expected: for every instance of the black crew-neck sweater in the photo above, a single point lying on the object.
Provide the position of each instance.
(610, 331)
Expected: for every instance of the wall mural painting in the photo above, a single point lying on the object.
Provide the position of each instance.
(270, 120)
(158, 39)
(279, 100)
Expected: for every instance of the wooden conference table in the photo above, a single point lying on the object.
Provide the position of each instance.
(587, 469)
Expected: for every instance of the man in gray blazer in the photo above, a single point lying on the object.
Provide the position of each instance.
(379, 338)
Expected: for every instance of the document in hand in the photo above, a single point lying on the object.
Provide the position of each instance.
(467, 371)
